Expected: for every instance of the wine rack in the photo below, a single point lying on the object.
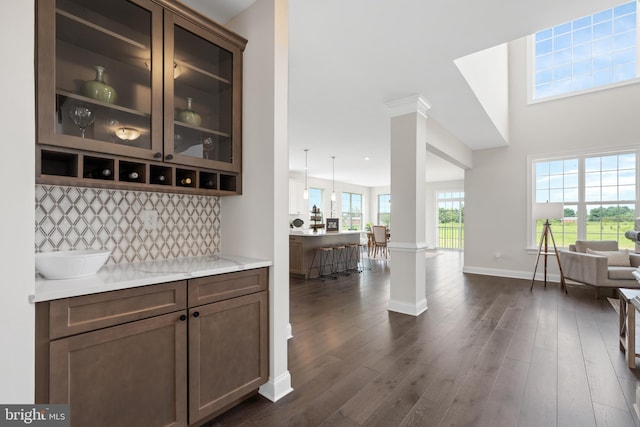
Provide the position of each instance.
(59, 166)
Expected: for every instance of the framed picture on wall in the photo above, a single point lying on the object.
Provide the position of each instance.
(332, 224)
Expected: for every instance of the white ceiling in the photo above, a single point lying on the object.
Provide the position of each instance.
(347, 59)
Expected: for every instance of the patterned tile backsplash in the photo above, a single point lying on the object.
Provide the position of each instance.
(81, 218)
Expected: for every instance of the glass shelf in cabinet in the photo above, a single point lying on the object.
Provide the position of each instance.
(112, 123)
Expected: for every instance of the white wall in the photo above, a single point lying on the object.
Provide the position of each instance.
(487, 73)
(17, 184)
(495, 189)
(256, 223)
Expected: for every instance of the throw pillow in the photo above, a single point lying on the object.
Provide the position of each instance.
(617, 258)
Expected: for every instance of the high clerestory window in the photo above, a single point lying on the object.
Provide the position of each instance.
(590, 52)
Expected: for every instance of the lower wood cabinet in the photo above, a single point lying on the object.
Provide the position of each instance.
(140, 366)
(128, 375)
(227, 341)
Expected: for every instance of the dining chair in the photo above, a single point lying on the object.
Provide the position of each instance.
(371, 244)
(380, 240)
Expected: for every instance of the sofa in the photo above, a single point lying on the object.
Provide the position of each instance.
(601, 264)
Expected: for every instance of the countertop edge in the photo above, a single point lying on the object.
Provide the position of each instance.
(107, 279)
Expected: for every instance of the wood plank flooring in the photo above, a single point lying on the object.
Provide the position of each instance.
(487, 352)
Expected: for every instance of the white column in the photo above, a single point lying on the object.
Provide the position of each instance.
(407, 244)
(265, 173)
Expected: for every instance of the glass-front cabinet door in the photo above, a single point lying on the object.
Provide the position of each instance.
(100, 76)
(202, 97)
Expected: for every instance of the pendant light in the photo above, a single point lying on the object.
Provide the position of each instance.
(306, 168)
(333, 180)
(333, 187)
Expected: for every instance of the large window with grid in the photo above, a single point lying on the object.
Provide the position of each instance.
(598, 193)
(384, 210)
(586, 53)
(351, 211)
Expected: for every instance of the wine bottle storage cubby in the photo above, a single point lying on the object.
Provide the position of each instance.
(160, 175)
(59, 164)
(228, 182)
(208, 180)
(67, 167)
(185, 178)
(98, 168)
(132, 172)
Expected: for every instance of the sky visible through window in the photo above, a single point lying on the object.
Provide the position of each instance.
(588, 52)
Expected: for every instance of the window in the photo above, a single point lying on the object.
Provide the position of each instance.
(451, 220)
(384, 210)
(598, 192)
(315, 198)
(589, 52)
(351, 211)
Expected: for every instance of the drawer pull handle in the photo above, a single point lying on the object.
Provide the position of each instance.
(157, 155)
(183, 317)
(169, 157)
(196, 313)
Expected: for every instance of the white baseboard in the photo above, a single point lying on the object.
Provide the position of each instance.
(410, 309)
(514, 274)
(289, 331)
(275, 390)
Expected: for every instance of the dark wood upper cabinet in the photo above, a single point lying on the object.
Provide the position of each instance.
(146, 81)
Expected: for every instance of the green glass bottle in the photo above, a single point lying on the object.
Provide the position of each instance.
(189, 116)
(98, 89)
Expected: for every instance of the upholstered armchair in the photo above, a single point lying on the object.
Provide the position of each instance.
(601, 264)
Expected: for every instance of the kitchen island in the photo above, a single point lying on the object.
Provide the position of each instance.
(302, 245)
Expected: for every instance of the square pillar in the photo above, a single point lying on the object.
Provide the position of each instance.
(408, 216)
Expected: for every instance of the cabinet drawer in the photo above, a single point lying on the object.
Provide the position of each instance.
(86, 313)
(224, 286)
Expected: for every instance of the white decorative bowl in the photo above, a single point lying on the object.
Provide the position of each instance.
(71, 264)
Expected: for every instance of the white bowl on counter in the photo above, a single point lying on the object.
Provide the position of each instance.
(71, 264)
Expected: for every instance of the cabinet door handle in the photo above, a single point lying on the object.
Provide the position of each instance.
(183, 317)
(158, 155)
(196, 313)
(169, 157)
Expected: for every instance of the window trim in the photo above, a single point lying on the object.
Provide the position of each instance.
(532, 158)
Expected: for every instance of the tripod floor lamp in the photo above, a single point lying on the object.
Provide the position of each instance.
(548, 211)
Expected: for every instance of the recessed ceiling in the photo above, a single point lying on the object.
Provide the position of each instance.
(348, 59)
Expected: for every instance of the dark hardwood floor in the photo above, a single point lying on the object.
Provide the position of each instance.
(487, 352)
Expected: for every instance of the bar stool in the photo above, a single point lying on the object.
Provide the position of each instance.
(363, 247)
(340, 257)
(353, 257)
(326, 260)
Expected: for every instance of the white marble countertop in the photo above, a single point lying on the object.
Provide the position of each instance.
(123, 276)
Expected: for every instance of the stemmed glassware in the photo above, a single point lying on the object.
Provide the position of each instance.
(82, 116)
